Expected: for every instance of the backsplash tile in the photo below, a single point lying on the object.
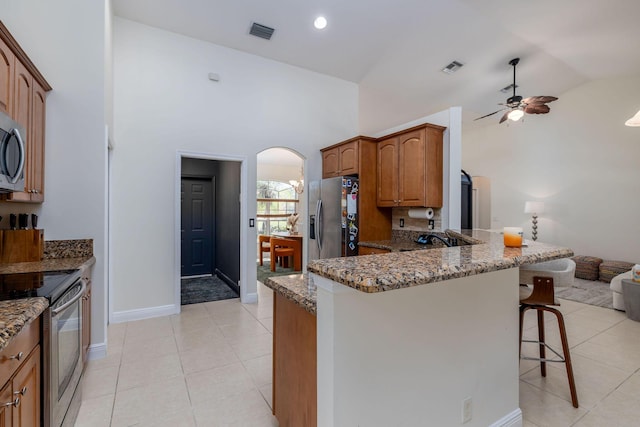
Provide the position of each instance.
(68, 248)
(414, 224)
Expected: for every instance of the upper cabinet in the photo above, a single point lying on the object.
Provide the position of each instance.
(7, 61)
(410, 168)
(23, 97)
(341, 159)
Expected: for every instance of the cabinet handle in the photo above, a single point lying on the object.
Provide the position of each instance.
(13, 403)
(17, 357)
(21, 392)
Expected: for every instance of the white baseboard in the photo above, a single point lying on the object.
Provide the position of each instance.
(97, 351)
(250, 298)
(145, 313)
(514, 419)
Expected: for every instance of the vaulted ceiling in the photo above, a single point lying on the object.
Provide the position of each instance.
(395, 49)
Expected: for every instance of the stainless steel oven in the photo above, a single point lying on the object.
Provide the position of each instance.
(65, 355)
(61, 338)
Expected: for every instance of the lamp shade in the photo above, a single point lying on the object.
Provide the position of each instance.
(534, 207)
(633, 121)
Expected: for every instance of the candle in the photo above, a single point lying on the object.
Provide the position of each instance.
(513, 237)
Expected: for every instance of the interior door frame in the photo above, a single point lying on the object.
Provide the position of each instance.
(180, 154)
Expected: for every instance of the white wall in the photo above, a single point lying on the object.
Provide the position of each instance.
(164, 102)
(409, 357)
(65, 40)
(579, 159)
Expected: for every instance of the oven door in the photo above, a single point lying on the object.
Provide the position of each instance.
(66, 349)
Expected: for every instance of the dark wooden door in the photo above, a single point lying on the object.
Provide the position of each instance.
(197, 226)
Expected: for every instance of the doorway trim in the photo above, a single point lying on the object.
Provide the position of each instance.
(180, 154)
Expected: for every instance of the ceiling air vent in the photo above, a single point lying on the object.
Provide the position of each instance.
(453, 67)
(261, 31)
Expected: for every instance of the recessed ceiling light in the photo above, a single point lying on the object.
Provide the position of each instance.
(320, 22)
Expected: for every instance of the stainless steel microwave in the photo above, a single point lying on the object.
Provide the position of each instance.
(12, 155)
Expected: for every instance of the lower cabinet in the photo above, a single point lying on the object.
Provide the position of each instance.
(366, 250)
(20, 403)
(294, 364)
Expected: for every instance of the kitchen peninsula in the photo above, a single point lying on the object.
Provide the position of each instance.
(447, 331)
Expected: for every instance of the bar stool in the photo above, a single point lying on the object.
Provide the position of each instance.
(539, 299)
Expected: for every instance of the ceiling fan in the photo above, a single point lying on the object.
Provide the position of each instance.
(516, 106)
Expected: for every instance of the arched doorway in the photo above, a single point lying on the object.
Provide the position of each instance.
(281, 208)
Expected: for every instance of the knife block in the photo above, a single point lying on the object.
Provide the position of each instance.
(21, 245)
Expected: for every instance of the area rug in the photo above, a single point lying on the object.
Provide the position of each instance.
(204, 289)
(588, 292)
(264, 271)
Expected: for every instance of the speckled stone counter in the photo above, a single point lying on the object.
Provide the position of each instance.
(54, 264)
(15, 314)
(295, 288)
(384, 272)
(78, 248)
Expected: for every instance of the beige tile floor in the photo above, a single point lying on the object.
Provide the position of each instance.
(211, 366)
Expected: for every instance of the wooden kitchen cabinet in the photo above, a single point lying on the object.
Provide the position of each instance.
(20, 367)
(409, 168)
(23, 96)
(341, 159)
(357, 156)
(367, 250)
(294, 385)
(7, 61)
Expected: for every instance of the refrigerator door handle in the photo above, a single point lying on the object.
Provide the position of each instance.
(319, 225)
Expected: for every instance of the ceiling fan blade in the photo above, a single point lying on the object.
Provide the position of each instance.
(537, 109)
(539, 99)
(487, 115)
(505, 116)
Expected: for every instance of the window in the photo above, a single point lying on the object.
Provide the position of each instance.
(276, 201)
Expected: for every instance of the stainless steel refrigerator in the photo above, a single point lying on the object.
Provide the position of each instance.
(333, 217)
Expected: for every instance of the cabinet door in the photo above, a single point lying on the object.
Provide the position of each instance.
(7, 60)
(22, 100)
(348, 155)
(36, 144)
(411, 168)
(331, 163)
(6, 397)
(26, 385)
(433, 168)
(388, 172)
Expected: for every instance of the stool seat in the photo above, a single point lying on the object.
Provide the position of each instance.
(540, 298)
(562, 271)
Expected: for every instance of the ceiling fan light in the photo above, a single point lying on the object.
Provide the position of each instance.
(633, 121)
(515, 115)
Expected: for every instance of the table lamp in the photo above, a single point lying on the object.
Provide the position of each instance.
(534, 208)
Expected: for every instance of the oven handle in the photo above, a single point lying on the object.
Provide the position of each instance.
(69, 303)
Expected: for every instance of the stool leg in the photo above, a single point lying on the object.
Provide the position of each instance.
(543, 364)
(523, 308)
(567, 357)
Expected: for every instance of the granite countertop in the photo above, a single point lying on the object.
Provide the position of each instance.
(396, 270)
(58, 255)
(295, 288)
(53, 264)
(15, 314)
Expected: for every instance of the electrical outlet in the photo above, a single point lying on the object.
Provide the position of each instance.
(466, 410)
(401, 222)
(432, 224)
